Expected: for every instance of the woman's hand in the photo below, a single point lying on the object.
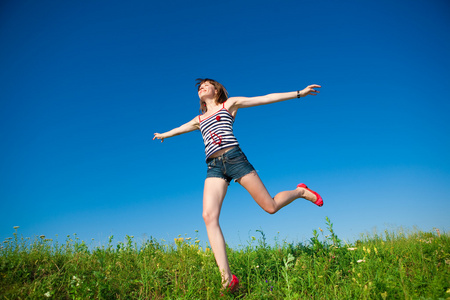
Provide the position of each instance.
(310, 90)
(188, 127)
(159, 136)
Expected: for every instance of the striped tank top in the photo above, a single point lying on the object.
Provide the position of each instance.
(217, 131)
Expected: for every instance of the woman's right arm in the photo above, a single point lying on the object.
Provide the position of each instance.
(188, 127)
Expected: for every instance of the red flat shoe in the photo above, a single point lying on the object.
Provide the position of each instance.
(234, 284)
(319, 201)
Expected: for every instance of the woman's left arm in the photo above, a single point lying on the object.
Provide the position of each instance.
(241, 102)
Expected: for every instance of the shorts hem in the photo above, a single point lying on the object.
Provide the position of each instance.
(251, 171)
(228, 181)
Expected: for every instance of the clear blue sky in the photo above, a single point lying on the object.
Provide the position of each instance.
(85, 84)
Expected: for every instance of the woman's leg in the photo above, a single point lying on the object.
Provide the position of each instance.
(213, 195)
(253, 184)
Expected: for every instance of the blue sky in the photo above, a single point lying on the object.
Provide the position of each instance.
(85, 84)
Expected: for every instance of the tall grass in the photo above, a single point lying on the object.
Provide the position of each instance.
(393, 265)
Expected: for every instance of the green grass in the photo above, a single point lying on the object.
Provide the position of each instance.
(394, 265)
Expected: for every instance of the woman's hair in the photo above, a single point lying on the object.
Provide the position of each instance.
(221, 96)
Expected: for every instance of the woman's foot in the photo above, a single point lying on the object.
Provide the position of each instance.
(232, 286)
(310, 195)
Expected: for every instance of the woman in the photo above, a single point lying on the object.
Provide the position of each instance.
(226, 161)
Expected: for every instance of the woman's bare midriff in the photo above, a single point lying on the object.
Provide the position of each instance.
(220, 152)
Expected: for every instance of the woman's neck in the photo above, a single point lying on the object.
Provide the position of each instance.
(212, 105)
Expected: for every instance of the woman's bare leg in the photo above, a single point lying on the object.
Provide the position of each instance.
(213, 195)
(253, 184)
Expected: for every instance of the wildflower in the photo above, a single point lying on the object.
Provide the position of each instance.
(76, 280)
(360, 261)
(368, 250)
(321, 230)
(197, 241)
(16, 227)
(351, 249)
(9, 238)
(364, 249)
(375, 249)
(42, 236)
(48, 295)
(188, 239)
(438, 232)
(253, 238)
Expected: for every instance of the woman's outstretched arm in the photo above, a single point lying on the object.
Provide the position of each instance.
(241, 102)
(188, 127)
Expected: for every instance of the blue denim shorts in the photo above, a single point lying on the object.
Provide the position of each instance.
(233, 164)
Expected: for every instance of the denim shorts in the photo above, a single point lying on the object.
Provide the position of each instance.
(233, 164)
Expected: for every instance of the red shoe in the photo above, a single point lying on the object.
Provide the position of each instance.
(234, 284)
(319, 201)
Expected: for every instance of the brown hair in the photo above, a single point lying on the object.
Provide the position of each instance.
(221, 96)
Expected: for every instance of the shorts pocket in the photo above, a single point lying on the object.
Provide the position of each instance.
(238, 159)
(211, 164)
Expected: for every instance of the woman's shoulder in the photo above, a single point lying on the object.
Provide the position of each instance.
(231, 106)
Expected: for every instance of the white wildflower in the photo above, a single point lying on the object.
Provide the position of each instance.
(360, 261)
(48, 295)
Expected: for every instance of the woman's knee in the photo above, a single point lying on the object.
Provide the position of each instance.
(267, 203)
(271, 209)
(210, 217)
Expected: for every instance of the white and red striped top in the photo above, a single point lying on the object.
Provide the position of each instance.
(217, 131)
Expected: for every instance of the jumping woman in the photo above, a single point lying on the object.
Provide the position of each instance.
(226, 161)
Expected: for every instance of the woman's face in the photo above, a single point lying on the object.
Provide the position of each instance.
(206, 90)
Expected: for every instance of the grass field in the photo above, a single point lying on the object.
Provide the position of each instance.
(392, 265)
